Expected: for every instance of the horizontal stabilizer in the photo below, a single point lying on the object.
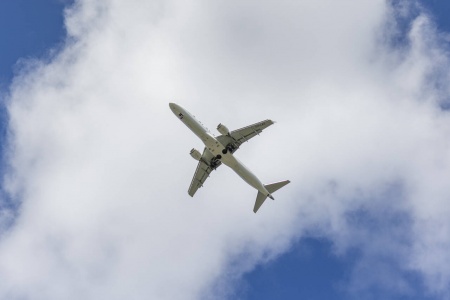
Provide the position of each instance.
(259, 201)
(260, 198)
(275, 186)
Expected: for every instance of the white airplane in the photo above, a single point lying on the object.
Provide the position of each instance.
(220, 150)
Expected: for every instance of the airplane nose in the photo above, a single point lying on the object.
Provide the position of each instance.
(173, 107)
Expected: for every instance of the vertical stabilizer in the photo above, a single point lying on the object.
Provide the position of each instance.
(260, 198)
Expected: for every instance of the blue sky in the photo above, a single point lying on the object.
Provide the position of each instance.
(28, 30)
(314, 267)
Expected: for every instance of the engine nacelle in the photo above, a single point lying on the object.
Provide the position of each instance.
(196, 154)
(223, 129)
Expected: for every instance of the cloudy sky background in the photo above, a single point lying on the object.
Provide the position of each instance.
(96, 167)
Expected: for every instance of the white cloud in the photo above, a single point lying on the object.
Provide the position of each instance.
(101, 166)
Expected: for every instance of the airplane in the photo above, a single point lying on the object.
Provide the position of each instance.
(220, 149)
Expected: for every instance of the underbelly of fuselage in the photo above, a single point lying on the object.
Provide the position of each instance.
(227, 158)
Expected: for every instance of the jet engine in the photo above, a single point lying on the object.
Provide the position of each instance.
(223, 129)
(196, 154)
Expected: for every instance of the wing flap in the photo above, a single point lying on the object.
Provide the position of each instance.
(201, 174)
(237, 137)
(204, 168)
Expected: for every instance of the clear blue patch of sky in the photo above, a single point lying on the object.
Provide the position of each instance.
(308, 271)
(440, 10)
(28, 28)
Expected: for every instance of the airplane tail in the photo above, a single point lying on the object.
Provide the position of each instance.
(271, 188)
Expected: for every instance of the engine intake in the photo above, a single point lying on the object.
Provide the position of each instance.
(223, 129)
(196, 154)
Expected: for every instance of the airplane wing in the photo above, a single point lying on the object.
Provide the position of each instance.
(205, 166)
(236, 138)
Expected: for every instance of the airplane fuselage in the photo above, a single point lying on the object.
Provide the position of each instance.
(217, 149)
